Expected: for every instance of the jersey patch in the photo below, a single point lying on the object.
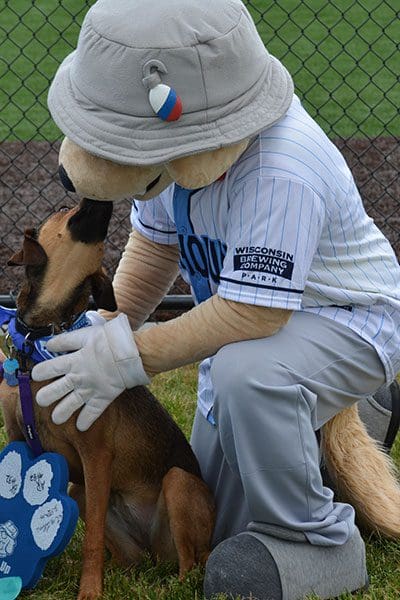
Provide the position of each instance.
(264, 260)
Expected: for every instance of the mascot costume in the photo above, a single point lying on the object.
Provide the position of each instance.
(179, 105)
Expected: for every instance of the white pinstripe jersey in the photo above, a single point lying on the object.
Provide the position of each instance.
(286, 228)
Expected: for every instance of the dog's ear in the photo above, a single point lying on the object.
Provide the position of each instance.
(102, 291)
(31, 254)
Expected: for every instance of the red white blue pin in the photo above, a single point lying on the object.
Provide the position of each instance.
(165, 102)
(163, 99)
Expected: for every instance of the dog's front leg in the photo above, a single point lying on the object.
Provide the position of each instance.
(9, 397)
(97, 471)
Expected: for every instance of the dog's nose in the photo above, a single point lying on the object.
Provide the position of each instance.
(65, 180)
(89, 225)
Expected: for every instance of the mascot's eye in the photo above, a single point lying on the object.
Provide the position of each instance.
(153, 183)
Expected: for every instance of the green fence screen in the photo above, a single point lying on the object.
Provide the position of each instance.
(342, 55)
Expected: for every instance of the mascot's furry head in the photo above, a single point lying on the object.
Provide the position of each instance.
(162, 92)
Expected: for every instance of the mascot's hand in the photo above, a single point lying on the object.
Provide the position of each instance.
(95, 317)
(104, 361)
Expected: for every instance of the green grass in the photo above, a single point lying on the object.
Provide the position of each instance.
(342, 55)
(34, 38)
(60, 581)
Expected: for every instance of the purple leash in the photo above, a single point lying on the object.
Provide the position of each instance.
(26, 399)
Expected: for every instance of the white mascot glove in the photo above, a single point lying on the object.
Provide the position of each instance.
(95, 318)
(106, 361)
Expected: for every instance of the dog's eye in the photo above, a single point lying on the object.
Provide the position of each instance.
(64, 209)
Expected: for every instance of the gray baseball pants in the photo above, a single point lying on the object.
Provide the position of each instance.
(261, 459)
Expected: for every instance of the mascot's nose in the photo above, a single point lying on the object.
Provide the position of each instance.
(65, 180)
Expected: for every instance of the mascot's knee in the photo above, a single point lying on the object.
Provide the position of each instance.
(243, 365)
(239, 375)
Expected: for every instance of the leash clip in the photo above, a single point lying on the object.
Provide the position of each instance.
(26, 352)
(10, 348)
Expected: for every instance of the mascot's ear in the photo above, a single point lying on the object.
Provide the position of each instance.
(199, 170)
(31, 254)
(102, 290)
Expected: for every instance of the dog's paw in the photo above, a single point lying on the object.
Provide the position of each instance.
(90, 591)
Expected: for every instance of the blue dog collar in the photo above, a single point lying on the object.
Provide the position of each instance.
(39, 349)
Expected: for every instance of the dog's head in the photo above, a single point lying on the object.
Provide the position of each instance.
(63, 265)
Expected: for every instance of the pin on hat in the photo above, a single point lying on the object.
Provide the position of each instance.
(165, 102)
(163, 99)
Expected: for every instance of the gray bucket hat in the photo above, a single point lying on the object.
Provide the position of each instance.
(207, 51)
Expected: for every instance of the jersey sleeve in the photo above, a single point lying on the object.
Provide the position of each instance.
(151, 219)
(273, 232)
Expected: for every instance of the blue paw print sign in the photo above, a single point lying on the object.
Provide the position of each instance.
(37, 517)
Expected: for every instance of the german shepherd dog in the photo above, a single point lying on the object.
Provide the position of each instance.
(133, 473)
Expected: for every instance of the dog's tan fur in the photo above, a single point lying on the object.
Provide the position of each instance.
(134, 475)
(70, 264)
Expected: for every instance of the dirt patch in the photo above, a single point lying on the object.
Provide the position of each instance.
(375, 164)
(30, 191)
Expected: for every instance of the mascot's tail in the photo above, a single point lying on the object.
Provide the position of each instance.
(362, 473)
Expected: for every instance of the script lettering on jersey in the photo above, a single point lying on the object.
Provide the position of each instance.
(200, 254)
(264, 260)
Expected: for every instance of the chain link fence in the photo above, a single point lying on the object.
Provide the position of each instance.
(342, 55)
